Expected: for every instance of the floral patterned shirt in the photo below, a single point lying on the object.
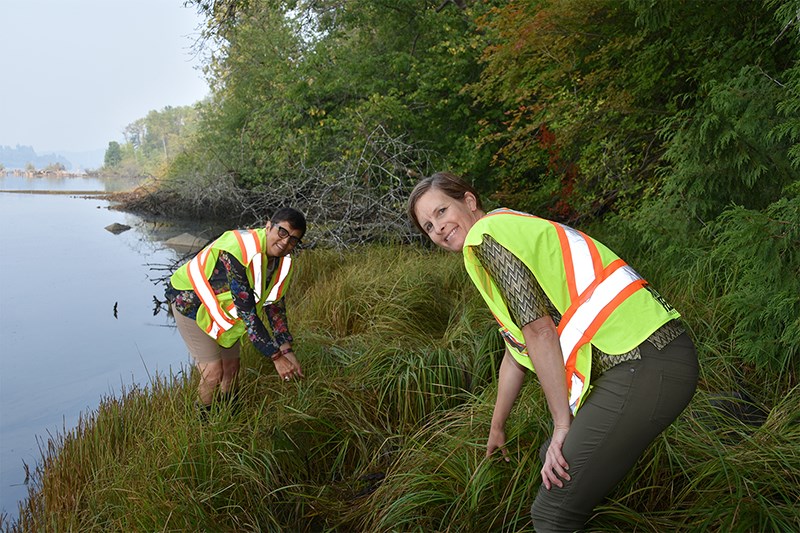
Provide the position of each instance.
(230, 275)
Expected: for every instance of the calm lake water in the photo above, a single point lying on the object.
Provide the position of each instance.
(61, 348)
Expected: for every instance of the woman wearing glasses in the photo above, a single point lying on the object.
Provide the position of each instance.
(214, 298)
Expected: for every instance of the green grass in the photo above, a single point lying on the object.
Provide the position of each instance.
(387, 433)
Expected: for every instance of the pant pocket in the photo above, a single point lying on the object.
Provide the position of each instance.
(674, 394)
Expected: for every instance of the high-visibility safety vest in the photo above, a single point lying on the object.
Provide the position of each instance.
(602, 300)
(217, 313)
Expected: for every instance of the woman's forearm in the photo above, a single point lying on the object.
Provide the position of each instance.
(509, 383)
(544, 350)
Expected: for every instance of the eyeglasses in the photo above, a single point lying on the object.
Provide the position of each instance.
(282, 234)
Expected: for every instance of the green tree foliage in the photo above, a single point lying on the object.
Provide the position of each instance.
(598, 95)
(306, 85)
(153, 142)
(762, 249)
(113, 156)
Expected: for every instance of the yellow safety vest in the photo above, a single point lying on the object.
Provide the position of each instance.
(600, 297)
(217, 313)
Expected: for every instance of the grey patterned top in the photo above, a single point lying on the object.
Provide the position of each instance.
(526, 301)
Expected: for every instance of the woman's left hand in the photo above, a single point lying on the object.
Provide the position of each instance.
(555, 466)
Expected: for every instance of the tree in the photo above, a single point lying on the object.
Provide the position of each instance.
(300, 85)
(55, 167)
(113, 155)
(599, 98)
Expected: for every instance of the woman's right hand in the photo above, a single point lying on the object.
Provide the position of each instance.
(497, 440)
(287, 366)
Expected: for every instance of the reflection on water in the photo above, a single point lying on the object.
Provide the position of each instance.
(9, 182)
(62, 348)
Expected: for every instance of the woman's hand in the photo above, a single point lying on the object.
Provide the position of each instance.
(509, 382)
(555, 466)
(497, 441)
(287, 365)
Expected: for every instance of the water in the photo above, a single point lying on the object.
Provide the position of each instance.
(23, 183)
(61, 347)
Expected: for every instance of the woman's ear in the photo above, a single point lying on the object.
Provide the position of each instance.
(471, 201)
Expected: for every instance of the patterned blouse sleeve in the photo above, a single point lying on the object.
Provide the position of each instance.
(521, 291)
(245, 302)
(276, 314)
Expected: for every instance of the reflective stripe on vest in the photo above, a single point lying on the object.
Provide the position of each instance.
(581, 259)
(220, 320)
(280, 281)
(251, 254)
(595, 293)
(250, 251)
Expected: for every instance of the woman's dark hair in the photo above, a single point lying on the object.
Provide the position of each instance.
(294, 217)
(450, 184)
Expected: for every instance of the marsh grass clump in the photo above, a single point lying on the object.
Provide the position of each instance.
(388, 430)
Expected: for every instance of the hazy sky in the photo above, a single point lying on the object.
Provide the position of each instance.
(74, 73)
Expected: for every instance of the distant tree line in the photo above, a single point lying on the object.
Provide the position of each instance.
(25, 158)
(151, 143)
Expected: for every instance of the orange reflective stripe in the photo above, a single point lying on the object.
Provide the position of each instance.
(582, 261)
(214, 330)
(250, 248)
(256, 264)
(569, 267)
(575, 326)
(599, 319)
(242, 246)
(613, 304)
(597, 261)
(573, 377)
(576, 303)
(255, 272)
(249, 244)
(202, 287)
(281, 275)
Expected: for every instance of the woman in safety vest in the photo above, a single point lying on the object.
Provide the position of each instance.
(573, 312)
(215, 297)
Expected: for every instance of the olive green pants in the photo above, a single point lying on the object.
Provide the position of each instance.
(628, 407)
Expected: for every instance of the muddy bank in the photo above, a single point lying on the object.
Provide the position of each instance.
(165, 204)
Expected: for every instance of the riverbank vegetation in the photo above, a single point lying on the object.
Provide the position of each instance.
(388, 430)
(668, 130)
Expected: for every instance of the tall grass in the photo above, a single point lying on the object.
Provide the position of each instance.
(387, 433)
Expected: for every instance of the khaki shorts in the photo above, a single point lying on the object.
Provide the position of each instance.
(202, 348)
